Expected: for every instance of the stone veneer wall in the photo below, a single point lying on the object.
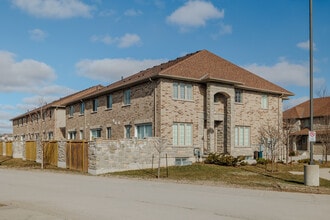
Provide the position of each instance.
(61, 154)
(18, 148)
(129, 154)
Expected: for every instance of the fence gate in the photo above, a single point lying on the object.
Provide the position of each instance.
(50, 152)
(77, 155)
(31, 150)
(9, 148)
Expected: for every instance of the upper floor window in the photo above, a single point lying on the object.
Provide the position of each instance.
(242, 136)
(143, 131)
(95, 105)
(264, 101)
(71, 111)
(182, 134)
(238, 96)
(109, 101)
(127, 97)
(82, 108)
(182, 91)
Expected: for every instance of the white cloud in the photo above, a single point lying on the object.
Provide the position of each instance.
(125, 41)
(54, 8)
(37, 34)
(283, 72)
(110, 70)
(305, 45)
(132, 12)
(195, 14)
(23, 75)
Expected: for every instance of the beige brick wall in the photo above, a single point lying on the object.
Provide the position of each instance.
(250, 113)
(141, 110)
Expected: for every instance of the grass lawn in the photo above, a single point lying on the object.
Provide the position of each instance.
(250, 176)
(255, 177)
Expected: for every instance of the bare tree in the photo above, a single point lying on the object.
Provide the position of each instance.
(288, 128)
(269, 136)
(324, 132)
(160, 145)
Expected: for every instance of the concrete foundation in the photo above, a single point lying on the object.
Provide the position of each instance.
(311, 175)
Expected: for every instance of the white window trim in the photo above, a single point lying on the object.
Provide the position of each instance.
(183, 91)
(182, 134)
(242, 136)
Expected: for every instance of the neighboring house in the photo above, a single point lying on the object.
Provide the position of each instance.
(47, 122)
(198, 101)
(298, 118)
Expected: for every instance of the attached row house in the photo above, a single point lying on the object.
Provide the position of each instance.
(297, 119)
(198, 101)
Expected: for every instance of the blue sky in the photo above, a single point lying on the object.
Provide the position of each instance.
(51, 48)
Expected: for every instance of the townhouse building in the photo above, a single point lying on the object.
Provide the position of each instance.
(47, 122)
(198, 101)
(298, 119)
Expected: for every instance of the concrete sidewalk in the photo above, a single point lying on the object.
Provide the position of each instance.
(324, 173)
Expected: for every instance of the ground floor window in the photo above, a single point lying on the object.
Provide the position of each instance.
(128, 131)
(182, 134)
(95, 133)
(143, 131)
(72, 135)
(108, 132)
(242, 136)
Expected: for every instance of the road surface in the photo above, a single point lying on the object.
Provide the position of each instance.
(56, 196)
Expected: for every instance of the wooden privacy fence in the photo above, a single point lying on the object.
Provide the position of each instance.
(31, 150)
(77, 155)
(9, 148)
(50, 152)
(1, 148)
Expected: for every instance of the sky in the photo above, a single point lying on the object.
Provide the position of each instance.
(52, 48)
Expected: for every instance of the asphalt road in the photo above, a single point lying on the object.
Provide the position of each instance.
(44, 195)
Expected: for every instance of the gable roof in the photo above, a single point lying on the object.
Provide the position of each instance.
(201, 66)
(321, 107)
(62, 102)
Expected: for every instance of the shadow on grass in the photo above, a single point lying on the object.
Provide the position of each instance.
(270, 175)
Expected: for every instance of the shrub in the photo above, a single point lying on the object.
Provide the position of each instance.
(221, 159)
(262, 161)
(292, 153)
(307, 160)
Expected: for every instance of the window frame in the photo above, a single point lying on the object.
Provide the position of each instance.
(182, 91)
(127, 130)
(264, 101)
(95, 104)
(242, 136)
(98, 133)
(147, 130)
(71, 111)
(238, 96)
(109, 101)
(82, 108)
(127, 97)
(109, 132)
(182, 134)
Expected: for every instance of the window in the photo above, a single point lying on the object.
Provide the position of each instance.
(71, 111)
(72, 135)
(128, 131)
(127, 97)
(108, 133)
(81, 135)
(95, 105)
(182, 134)
(95, 133)
(109, 101)
(264, 102)
(143, 131)
(182, 91)
(82, 108)
(50, 135)
(242, 136)
(238, 96)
